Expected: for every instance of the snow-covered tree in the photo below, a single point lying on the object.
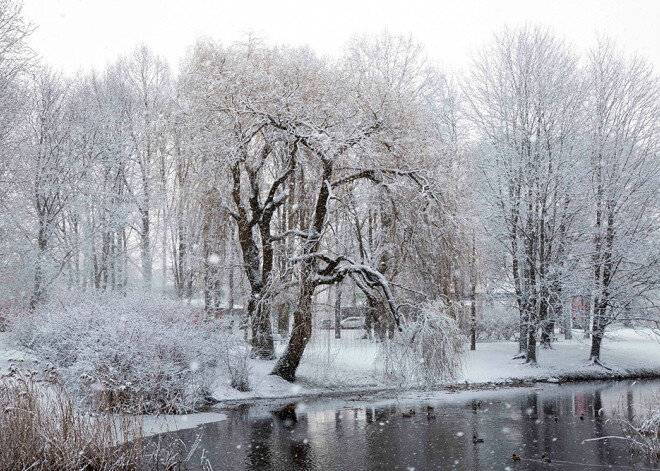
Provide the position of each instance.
(16, 61)
(623, 129)
(525, 94)
(51, 167)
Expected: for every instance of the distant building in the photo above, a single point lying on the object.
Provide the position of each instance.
(580, 309)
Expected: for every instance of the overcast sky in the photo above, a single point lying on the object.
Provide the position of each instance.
(79, 34)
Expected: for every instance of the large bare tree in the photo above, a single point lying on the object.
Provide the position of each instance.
(525, 94)
(623, 110)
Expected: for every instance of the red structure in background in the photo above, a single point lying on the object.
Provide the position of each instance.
(580, 307)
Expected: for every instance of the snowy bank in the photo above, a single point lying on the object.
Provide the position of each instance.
(348, 367)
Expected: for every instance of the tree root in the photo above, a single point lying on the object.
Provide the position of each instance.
(597, 362)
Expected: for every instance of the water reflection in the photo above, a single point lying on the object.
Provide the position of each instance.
(545, 427)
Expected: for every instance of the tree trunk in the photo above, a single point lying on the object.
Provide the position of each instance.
(262, 336)
(124, 269)
(262, 330)
(145, 237)
(282, 313)
(231, 298)
(302, 318)
(257, 273)
(163, 281)
(473, 317)
(596, 340)
(38, 292)
(547, 332)
(531, 346)
(338, 313)
(597, 331)
(212, 290)
(181, 256)
(522, 340)
(302, 329)
(546, 324)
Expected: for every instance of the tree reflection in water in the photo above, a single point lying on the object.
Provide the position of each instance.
(471, 431)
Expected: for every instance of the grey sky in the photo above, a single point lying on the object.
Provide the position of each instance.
(78, 34)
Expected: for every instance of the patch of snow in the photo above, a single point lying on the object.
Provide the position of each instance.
(156, 424)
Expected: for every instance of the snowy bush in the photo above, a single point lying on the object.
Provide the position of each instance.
(427, 351)
(129, 353)
(235, 357)
(498, 322)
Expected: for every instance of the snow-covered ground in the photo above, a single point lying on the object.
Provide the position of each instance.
(156, 424)
(626, 351)
(7, 353)
(349, 365)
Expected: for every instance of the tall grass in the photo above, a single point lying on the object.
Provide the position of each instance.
(643, 432)
(41, 428)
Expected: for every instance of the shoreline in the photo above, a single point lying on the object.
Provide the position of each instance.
(350, 367)
(453, 388)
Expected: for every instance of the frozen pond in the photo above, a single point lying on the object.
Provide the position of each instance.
(378, 433)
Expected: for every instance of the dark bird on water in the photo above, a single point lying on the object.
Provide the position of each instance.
(408, 414)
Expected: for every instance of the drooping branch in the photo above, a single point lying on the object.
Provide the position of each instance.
(338, 268)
